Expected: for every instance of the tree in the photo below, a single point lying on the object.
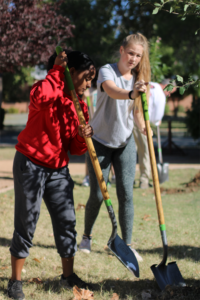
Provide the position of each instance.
(30, 31)
(94, 31)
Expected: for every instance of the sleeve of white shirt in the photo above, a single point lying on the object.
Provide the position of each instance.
(157, 102)
(105, 73)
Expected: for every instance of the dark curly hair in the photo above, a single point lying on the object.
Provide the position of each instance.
(79, 60)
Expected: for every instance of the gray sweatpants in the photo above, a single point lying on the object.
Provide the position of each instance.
(124, 161)
(32, 183)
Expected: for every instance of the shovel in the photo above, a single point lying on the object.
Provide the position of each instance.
(115, 243)
(164, 274)
(162, 168)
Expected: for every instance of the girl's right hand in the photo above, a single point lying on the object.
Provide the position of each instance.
(61, 59)
(139, 86)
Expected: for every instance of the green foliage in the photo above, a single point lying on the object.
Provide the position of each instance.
(193, 118)
(17, 85)
(12, 110)
(94, 31)
(159, 70)
(167, 109)
(2, 115)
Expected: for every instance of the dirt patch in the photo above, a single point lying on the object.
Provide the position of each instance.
(190, 187)
(173, 293)
(195, 181)
(178, 191)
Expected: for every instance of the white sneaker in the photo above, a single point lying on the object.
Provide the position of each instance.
(85, 245)
(86, 181)
(137, 255)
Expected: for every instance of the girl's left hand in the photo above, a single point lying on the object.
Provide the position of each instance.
(85, 131)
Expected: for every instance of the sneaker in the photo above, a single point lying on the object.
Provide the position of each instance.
(86, 181)
(137, 255)
(14, 290)
(85, 245)
(72, 280)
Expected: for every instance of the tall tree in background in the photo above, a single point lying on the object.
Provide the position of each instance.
(95, 28)
(30, 31)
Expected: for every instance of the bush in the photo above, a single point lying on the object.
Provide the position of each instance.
(2, 115)
(181, 109)
(12, 110)
(167, 109)
(192, 119)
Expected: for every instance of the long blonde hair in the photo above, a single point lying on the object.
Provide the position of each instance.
(143, 69)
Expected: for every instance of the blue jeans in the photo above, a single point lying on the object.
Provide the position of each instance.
(124, 162)
(32, 183)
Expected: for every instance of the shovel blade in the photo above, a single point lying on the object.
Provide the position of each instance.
(163, 172)
(167, 275)
(124, 254)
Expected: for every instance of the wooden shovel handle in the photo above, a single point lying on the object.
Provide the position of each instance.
(153, 162)
(90, 146)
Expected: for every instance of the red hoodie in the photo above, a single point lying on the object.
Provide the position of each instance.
(52, 126)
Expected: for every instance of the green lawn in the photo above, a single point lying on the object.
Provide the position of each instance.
(182, 215)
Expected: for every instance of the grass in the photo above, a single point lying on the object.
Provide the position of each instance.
(182, 214)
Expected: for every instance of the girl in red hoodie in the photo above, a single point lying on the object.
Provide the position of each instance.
(40, 166)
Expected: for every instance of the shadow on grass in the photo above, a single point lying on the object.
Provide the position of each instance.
(5, 242)
(122, 288)
(177, 251)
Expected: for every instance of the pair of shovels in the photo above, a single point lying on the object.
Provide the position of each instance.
(164, 274)
(163, 168)
(115, 243)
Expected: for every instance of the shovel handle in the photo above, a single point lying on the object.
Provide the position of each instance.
(153, 164)
(88, 141)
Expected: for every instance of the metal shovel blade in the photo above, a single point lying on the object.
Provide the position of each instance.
(124, 254)
(163, 173)
(167, 275)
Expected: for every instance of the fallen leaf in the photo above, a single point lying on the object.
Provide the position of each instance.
(4, 267)
(146, 217)
(87, 294)
(77, 293)
(36, 280)
(81, 294)
(23, 271)
(51, 234)
(35, 259)
(115, 296)
(80, 206)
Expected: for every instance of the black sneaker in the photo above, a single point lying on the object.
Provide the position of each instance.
(72, 280)
(14, 290)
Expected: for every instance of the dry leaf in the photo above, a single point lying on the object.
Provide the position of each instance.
(23, 271)
(115, 296)
(36, 280)
(51, 234)
(81, 294)
(35, 259)
(87, 294)
(146, 217)
(5, 267)
(80, 206)
(77, 293)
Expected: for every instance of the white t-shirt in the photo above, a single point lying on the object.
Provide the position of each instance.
(112, 121)
(157, 102)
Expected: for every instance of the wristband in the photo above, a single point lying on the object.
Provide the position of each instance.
(129, 94)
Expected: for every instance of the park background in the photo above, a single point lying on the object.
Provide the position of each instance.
(30, 30)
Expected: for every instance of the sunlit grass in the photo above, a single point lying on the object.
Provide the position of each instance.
(182, 215)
